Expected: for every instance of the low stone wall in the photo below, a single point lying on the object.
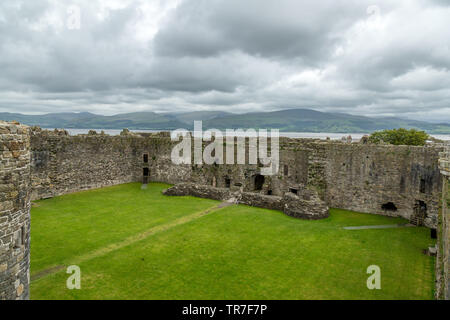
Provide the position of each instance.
(14, 211)
(306, 205)
(310, 208)
(201, 191)
(261, 201)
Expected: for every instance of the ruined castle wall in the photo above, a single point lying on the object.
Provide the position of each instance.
(14, 211)
(366, 177)
(62, 164)
(444, 239)
(443, 254)
(379, 179)
(261, 201)
(350, 176)
(158, 147)
(198, 190)
(300, 161)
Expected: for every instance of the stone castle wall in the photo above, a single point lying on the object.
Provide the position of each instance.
(14, 211)
(35, 163)
(63, 164)
(387, 180)
(378, 179)
(365, 177)
(443, 252)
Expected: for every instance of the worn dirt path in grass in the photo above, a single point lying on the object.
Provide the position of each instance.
(384, 226)
(131, 240)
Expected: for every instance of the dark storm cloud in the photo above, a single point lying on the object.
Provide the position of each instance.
(348, 56)
(276, 29)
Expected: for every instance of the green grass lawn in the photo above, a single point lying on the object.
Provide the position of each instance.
(237, 252)
(75, 224)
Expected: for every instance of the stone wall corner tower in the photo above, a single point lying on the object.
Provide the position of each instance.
(14, 211)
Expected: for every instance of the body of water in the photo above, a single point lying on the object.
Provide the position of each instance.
(312, 135)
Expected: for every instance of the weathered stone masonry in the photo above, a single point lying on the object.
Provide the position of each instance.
(304, 206)
(388, 180)
(391, 180)
(63, 164)
(443, 252)
(14, 211)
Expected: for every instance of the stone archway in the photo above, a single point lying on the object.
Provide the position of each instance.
(258, 182)
(146, 174)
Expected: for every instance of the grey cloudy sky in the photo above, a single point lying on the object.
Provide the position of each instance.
(376, 58)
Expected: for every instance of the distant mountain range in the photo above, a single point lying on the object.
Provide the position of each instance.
(292, 120)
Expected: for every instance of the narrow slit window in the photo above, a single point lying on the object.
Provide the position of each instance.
(422, 186)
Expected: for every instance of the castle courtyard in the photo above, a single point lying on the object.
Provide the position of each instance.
(136, 243)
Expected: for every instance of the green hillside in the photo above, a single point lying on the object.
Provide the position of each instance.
(293, 120)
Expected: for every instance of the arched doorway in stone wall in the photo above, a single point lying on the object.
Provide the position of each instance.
(258, 182)
(227, 182)
(146, 174)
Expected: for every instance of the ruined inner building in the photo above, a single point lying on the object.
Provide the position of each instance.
(314, 175)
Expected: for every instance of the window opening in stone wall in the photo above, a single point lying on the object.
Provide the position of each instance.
(23, 234)
(259, 182)
(389, 206)
(145, 158)
(433, 233)
(422, 185)
(18, 239)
